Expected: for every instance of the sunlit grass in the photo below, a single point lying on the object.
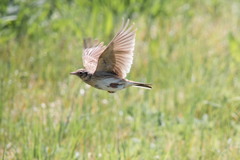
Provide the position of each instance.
(189, 51)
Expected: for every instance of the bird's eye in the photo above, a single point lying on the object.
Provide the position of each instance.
(80, 73)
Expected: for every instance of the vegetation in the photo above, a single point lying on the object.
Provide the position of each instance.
(189, 50)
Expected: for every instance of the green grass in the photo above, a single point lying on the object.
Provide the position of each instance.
(189, 50)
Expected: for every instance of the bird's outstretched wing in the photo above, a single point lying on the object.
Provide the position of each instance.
(118, 56)
(91, 54)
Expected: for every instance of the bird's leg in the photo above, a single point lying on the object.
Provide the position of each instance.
(111, 92)
(114, 85)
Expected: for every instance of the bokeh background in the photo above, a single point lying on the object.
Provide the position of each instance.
(189, 50)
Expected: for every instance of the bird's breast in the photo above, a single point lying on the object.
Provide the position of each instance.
(107, 82)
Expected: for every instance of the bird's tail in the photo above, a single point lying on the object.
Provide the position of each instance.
(141, 85)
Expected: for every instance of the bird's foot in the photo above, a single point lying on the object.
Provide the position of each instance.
(111, 92)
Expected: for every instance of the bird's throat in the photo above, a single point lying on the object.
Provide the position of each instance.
(86, 77)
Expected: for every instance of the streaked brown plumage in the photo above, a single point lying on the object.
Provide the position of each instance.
(106, 67)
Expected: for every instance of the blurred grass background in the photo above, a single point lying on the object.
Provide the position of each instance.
(189, 50)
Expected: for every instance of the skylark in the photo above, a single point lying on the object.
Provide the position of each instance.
(106, 67)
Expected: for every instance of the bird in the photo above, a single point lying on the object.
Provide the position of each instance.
(107, 66)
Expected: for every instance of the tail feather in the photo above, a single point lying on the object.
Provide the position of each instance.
(141, 85)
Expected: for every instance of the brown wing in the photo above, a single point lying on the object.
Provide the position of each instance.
(91, 54)
(118, 55)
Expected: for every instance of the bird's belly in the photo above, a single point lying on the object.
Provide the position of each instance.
(110, 84)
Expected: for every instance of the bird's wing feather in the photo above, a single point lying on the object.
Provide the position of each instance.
(91, 54)
(118, 56)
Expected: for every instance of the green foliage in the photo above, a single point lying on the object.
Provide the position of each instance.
(189, 50)
(234, 48)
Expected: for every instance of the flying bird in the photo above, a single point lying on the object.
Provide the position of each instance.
(107, 67)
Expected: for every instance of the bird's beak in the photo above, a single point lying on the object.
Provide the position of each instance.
(73, 73)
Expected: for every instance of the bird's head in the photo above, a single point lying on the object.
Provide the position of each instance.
(81, 73)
